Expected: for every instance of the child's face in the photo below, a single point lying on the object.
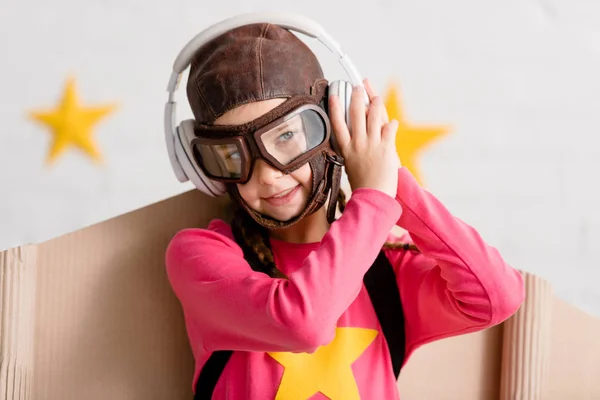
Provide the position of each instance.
(266, 185)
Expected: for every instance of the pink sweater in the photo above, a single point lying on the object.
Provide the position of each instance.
(316, 335)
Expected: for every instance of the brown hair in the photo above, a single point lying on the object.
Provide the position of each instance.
(254, 241)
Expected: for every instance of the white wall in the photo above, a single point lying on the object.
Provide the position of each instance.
(517, 80)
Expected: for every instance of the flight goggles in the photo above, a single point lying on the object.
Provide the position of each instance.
(286, 138)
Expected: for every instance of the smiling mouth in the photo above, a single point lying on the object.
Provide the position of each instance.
(282, 194)
(283, 198)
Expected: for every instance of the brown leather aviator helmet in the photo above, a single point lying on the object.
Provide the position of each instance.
(253, 63)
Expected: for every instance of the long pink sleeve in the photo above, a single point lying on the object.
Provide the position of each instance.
(458, 284)
(229, 306)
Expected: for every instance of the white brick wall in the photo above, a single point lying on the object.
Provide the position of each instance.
(517, 80)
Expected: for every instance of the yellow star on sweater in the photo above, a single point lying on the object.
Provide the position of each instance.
(410, 140)
(71, 123)
(328, 370)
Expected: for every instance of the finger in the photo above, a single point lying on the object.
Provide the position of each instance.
(384, 114)
(372, 95)
(338, 123)
(369, 89)
(389, 131)
(375, 121)
(358, 114)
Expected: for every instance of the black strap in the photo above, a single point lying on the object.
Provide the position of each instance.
(210, 374)
(380, 282)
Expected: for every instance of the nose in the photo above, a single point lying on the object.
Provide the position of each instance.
(266, 174)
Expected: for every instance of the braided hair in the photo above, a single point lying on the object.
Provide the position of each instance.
(254, 241)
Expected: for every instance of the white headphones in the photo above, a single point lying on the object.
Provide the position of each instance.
(178, 138)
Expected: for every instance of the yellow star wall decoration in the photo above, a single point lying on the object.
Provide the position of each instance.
(410, 140)
(72, 124)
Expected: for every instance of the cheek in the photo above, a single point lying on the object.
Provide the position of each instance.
(247, 193)
(304, 176)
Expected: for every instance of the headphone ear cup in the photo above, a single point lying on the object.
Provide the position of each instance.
(183, 137)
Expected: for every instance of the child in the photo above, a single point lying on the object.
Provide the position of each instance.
(287, 302)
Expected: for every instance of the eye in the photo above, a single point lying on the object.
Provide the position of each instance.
(233, 156)
(286, 136)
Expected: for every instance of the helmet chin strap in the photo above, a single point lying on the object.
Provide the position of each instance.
(327, 174)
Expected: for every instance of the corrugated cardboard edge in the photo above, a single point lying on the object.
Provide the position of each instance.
(527, 343)
(17, 319)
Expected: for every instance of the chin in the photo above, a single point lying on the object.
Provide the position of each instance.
(285, 215)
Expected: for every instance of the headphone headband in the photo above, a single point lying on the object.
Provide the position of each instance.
(292, 22)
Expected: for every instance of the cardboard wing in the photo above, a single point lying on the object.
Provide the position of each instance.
(91, 315)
